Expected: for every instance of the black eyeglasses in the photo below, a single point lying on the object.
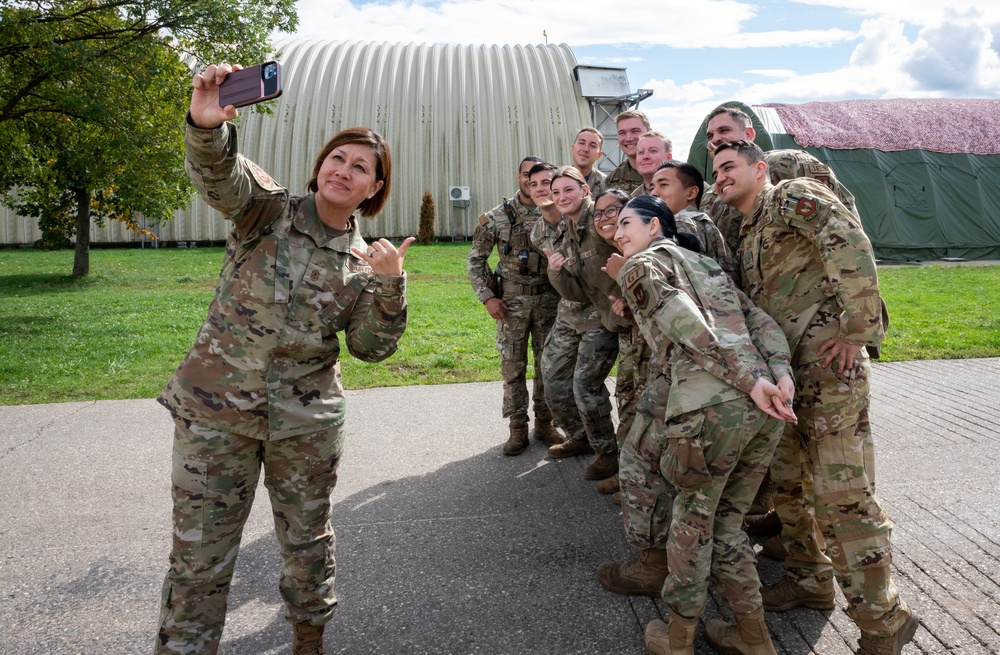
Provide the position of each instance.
(610, 212)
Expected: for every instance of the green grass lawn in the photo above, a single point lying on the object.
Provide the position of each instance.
(120, 332)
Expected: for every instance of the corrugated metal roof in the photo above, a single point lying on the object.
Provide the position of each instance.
(453, 116)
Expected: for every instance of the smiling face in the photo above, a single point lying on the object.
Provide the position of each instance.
(737, 181)
(650, 152)
(345, 179)
(568, 194)
(606, 216)
(629, 131)
(668, 187)
(723, 128)
(586, 150)
(522, 180)
(633, 235)
(539, 187)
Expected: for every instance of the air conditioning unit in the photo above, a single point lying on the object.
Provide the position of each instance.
(460, 194)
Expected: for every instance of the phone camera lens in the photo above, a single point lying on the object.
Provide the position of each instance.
(270, 71)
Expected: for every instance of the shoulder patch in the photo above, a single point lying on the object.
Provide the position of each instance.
(806, 207)
(817, 168)
(483, 218)
(634, 276)
(263, 180)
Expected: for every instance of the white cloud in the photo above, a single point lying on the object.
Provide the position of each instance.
(720, 23)
(773, 72)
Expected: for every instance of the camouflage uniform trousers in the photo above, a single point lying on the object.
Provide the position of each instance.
(575, 367)
(714, 459)
(214, 478)
(837, 485)
(528, 316)
(631, 348)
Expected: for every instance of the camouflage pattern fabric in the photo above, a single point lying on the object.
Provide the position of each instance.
(699, 447)
(264, 363)
(699, 225)
(261, 386)
(525, 290)
(575, 367)
(597, 181)
(781, 165)
(214, 480)
(807, 262)
(624, 177)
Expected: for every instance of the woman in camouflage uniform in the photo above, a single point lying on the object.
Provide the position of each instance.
(260, 387)
(709, 419)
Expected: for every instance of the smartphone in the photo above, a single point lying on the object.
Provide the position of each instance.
(251, 85)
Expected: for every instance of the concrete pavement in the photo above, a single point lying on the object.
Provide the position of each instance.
(446, 546)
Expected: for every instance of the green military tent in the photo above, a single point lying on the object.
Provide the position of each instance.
(925, 173)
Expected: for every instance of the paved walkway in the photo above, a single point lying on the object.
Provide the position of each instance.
(446, 546)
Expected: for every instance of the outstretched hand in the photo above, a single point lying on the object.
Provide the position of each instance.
(774, 400)
(205, 110)
(383, 257)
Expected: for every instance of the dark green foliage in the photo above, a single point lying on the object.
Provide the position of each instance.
(426, 233)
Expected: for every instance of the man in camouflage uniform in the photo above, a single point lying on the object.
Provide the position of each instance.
(587, 150)
(729, 124)
(653, 149)
(806, 261)
(523, 303)
(632, 124)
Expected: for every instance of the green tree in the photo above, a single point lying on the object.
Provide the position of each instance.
(92, 100)
(426, 231)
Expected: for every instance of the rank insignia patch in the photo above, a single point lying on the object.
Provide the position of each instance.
(634, 276)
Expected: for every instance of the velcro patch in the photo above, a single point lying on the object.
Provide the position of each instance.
(806, 207)
(588, 253)
(641, 296)
(263, 180)
(634, 276)
(483, 219)
(817, 168)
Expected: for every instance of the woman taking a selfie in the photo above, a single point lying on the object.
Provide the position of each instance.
(260, 387)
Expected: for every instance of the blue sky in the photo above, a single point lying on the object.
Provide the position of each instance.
(695, 54)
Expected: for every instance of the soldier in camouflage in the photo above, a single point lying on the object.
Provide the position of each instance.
(580, 351)
(632, 124)
(680, 185)
(523, 303)
(729, 124)
(260, 387)
(707, 423)
(653, 149)
(806, 261)
(587, 150)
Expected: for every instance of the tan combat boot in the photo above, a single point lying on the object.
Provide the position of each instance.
(608, 485)
(674, 639)
(902, 623)
(642, 577)
(786, 594)
(763, 525)
(307, 639)
(570, 448)
(774, 548)
(748, 637)
(604, 466)
(518, 439)
(547, 432)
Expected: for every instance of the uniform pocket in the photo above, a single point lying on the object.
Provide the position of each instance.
(683, 461)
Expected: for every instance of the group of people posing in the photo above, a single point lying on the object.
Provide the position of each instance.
(741, 317)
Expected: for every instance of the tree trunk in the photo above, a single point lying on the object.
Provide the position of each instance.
(81, 259)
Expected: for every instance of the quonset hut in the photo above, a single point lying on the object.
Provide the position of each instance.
(458, 120)
(925, 172)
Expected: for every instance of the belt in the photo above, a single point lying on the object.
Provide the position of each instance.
(525, 289)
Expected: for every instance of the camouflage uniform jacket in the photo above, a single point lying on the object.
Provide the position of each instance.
(710, 343)
(699, 225)
(641, 190)
(264, 363)
(624, 177)
(598, 182)
(579, 312)
(581, 279)
(806, 261)
(510, 239)
(781, 165)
